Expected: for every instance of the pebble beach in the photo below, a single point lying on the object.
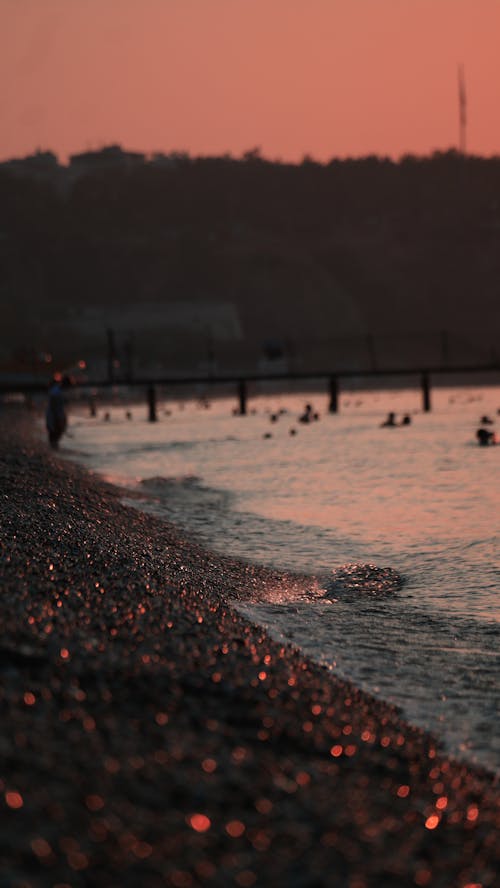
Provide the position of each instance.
(152, 737)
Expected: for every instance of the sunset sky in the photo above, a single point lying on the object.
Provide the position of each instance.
(329, 78)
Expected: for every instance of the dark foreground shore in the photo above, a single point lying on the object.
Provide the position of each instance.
(151, 737)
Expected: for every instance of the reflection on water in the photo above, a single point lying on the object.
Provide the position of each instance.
(414, 508)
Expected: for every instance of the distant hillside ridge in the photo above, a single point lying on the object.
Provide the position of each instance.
(228, 264)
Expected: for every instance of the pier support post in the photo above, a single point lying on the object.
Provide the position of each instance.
(111, 355)
(152, 404)
(333, 387)
(129, 360)
(242, 396)
(426, 392)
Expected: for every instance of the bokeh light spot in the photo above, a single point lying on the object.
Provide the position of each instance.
(235, 828)
(199, 822)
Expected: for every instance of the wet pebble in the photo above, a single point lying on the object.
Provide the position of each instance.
(150, 736)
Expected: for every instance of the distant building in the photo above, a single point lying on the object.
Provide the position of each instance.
(219, 320)
(175, 337)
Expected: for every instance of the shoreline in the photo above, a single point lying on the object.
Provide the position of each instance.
(151, 736)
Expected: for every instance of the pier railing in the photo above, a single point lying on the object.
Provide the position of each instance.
(241, 382)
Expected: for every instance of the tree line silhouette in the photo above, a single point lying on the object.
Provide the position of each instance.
(308, 252)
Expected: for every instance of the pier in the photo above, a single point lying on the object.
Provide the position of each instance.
(425, 378)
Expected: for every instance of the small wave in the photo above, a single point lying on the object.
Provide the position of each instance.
(163, 447)
(166, 446)
(186, 500)
(158, 483)
(354, 580)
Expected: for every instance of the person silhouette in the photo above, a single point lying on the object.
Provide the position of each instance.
(55, 417)
(308, 415)
(485, 437)
(390, 421)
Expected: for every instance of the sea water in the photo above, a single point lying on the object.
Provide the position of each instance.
(394, 529)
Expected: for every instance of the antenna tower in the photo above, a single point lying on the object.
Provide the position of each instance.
(462, 110)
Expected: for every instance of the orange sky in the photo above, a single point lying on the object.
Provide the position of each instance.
(324, 77)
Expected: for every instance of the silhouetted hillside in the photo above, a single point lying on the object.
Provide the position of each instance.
(336, 265)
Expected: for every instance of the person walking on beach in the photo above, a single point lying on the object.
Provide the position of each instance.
(55, 416)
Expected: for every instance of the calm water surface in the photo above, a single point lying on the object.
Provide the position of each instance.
(396, 527)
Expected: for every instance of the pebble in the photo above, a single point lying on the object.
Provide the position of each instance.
(150, 736)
